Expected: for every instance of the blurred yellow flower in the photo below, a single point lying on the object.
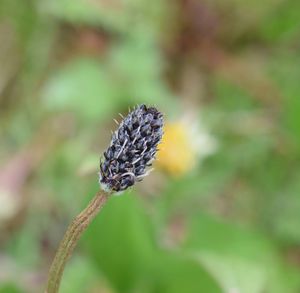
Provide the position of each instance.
(175, 154)
(183, 144)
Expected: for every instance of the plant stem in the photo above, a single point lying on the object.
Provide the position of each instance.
(70, 239)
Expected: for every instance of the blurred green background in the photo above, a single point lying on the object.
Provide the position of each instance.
(229, 222)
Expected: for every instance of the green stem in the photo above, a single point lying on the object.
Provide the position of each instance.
(70, 239)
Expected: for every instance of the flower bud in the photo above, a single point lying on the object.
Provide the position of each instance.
(132, 149)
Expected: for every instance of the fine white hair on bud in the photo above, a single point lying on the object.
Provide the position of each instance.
(132, 149)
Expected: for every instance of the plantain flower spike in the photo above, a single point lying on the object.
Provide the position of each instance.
(132, 149)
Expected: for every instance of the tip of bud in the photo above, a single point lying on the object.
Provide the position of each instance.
(132, 148)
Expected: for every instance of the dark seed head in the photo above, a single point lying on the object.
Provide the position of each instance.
(132, 148)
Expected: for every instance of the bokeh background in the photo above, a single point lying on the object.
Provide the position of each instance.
(221, 211)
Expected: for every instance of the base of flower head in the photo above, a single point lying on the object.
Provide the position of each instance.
(105, 187)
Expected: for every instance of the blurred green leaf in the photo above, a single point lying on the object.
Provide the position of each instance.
(285, 71)
(234, 273)
(209, 233)
(283, 212)
(118, 16)
(239, 259)
(81, 275)
(137, 67)
(284, 278)
(174, 274)
(121, 241)
(283, 22)
(9, 288)
(231, 97)
(81, 86)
